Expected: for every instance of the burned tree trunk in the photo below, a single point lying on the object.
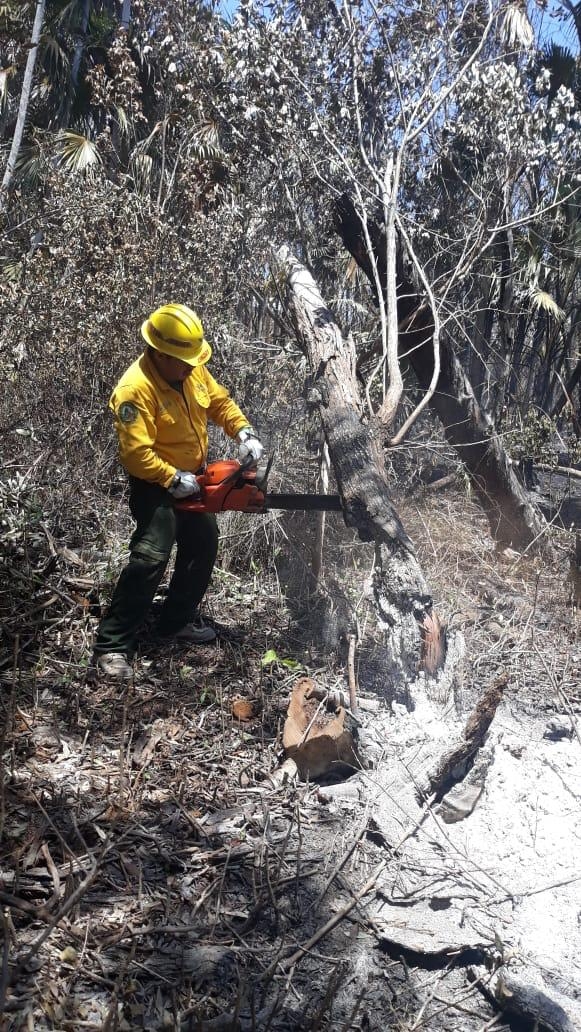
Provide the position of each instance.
(513, 520)
(402, 598)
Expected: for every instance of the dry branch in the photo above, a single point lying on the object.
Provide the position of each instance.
(286, 965)
(513, 520)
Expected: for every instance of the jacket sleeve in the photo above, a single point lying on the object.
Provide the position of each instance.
(134, 414)
(222, 409)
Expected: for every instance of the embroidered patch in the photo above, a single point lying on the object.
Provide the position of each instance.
(128, 412)
(201, 395)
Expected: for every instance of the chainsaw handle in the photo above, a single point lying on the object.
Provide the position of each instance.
(241, 467)
(226, 485)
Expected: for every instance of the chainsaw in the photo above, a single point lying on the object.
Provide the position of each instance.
(228, 486)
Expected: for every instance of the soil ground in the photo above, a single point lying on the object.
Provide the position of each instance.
(151, 876)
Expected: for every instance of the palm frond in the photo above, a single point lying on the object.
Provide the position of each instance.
(141, 166)
(13, 14)
(208, 132)
(516, 29)
(122, 120)
(55, 58)
(562, 66)
(31, 165)
(143, 146)
(70, 16)
(204, 142)
(77, 153)
(5, 74)
(574, 12)
(347, 307)
(543, 302)
(10, 270)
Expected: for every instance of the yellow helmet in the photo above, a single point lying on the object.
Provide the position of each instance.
(177, 331)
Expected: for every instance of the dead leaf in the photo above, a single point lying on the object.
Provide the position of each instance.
(246, 709)
(68, 955)
(145, 746)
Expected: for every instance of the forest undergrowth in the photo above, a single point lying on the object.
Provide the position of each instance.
(152, 876)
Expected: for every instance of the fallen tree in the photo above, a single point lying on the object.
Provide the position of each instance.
(468, 428)
(402, 598)
(444, 791)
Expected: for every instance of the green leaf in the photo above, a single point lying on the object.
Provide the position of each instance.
(269, 657)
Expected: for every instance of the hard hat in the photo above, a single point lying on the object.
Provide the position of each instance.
(176, 330)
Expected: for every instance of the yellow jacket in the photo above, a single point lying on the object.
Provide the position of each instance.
(161, 430)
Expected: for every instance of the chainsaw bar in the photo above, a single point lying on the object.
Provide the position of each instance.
(320, 503)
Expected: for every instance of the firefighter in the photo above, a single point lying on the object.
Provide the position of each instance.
(161, 407)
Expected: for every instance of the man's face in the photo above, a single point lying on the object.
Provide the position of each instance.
(173, 370)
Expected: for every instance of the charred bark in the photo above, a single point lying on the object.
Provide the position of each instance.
(513, 520)
(402, 598)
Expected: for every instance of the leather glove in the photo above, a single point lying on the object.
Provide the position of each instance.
(250, 446)
(184, 485)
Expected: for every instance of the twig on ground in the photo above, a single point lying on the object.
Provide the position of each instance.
(330, 924)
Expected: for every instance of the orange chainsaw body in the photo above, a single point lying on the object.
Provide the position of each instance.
(226, 487)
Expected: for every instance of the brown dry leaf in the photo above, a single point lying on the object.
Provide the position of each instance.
(145, 746)
(246, 709)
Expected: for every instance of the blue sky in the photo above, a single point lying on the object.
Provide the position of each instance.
(547, 24)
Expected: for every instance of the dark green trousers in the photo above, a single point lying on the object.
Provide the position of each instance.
(158, 526)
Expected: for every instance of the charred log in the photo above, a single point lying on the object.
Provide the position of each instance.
(402, 597)
(452, 766)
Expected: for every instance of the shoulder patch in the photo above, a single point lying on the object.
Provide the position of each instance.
(201, 394)
(127, 412)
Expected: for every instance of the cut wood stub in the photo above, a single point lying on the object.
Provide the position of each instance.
(316, 739)
(433, 644)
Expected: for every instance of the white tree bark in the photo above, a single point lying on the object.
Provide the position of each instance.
(23, 105)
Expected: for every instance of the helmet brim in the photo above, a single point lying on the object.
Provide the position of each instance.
(191, 356)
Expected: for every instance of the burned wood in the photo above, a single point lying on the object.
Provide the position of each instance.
(38, 912)
(453, 765)
(351, 673)
(433, 651)
(337, 698)
(228, 1022)
(402, 597)
(568, 471)
(548, 1009)
(286, 965)
(286, 774)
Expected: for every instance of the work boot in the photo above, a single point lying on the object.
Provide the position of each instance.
(114, 665)
(196, 632)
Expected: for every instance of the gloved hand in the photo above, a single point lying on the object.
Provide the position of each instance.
(250, 446)
(184, 485)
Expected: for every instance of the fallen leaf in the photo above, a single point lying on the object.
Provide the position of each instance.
(68, 955)
(245, 709)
